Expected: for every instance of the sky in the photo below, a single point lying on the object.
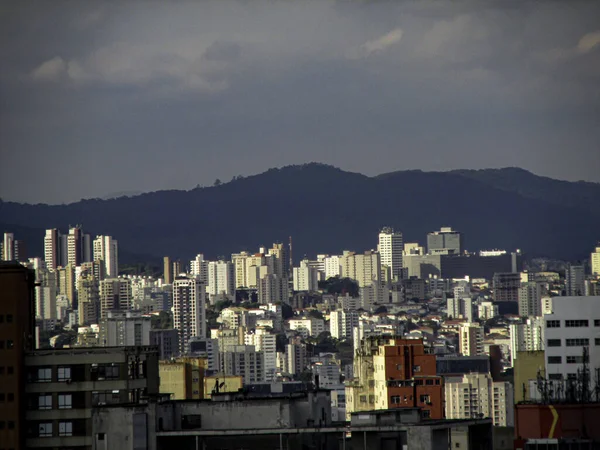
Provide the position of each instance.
(99, 98)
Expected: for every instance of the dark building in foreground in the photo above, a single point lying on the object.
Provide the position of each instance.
(17, 328)
(292, 421)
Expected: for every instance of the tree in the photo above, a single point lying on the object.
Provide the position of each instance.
(381, 309)
(217, 182)
(315, 314)
(286, 311)
(222, 304)
(337, 285)
(162, 321)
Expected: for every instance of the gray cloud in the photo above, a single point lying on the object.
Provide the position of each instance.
(108, 97)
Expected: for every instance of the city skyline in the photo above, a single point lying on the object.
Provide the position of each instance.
(108, 98)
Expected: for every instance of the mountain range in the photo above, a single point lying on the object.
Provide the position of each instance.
(326, 210)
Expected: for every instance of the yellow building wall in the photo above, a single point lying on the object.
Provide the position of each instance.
(231, 384)
(174, 379)
(527, 365)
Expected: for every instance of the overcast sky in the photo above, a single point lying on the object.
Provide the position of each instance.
(99, 98)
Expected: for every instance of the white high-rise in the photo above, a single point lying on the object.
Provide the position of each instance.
(526, 337)
(364, 268)
(199, 266)
(332, 266)
(265, 342)
(106, 250)
(8, 247)
(573, 326)
(341, 323)
(390, 248)
(476, 395)
(530, 299)
(189, 309)
(305, 277)
(470, 337)
(460, 307)
(221, 279)
(52, 253)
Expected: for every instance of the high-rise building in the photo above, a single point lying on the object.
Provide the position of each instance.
(221, 279)
(296, 357)
(460, 307)
(115, 294)
(124, 329)
(106, 250)
(390, 248)
(17, 330)
(445, 241)
(595, 260)
(342, 322)
(75, 246)
(45, 294)
(167, 342)
(572, 335)
(305, 277)
(265, 342)
(332, 266)
(167, 270)
(199, 267)
(365, 268)
(390, 373)
(52, 249)
(506, 287)
(8, 247)
(526, 337)
(189, 309)
(470, 337)
(530, 299)
(273, 289)
(476, 395)
(88, 297)
(243, 360)
(575, 280)
(66, 283)
(282, 263)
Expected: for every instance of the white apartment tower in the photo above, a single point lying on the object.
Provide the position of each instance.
(476, 395)
(115, 294)
(265, 342)
(365, 268)
(106, 250)
(124, 329)
(530, 299)
(305, 277)
(8, 247)
(52, 253)
(526, 337)
(390, 248)
(471, 339)
(341, 323)
(573, 325)
(199, 267)
(189, 314)
(221, 279)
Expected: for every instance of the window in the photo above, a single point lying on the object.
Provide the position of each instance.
(2, 397)
(424, 398)
(65, 428)
(9, 318)
(576, 323)
(426, 414)
(398, 366)
(44, 375)
(10, 370)
(10, 397)
(555, 376)
(417, 369)
(597, 341)
(395, 399)
(553, 324)
(2, 424)
(45, 429)
(597, 322)
(104, 372)
(577, 342)
(363, 399)
(65, 401)
(1, 370)
(554, 343)
(45, 401)
(554, 359)
(574, 359)
(10, 425)
(10, 344)
(1, 318)
(64, 373)
(429, 382)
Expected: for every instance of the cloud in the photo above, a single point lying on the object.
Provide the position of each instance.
(378, 45)
(589, 42)
(51, 70)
